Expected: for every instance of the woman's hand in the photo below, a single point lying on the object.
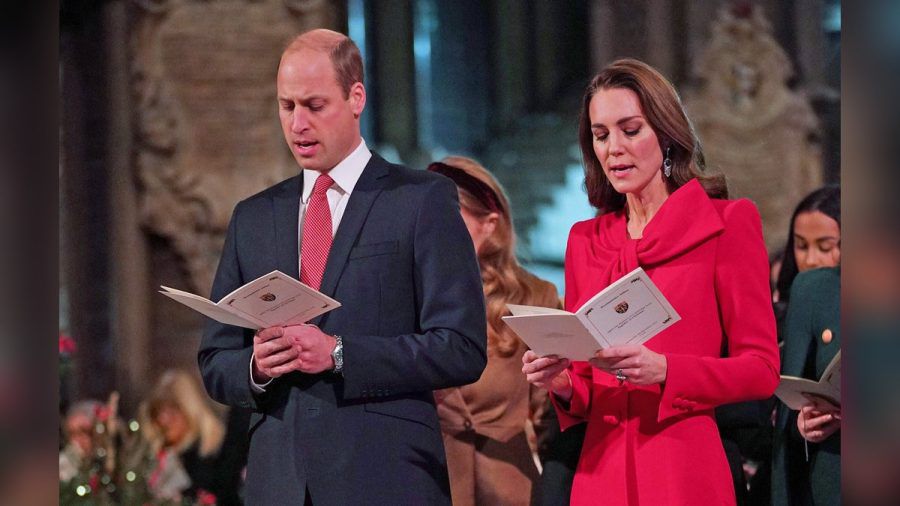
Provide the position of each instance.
(636, 363)
(818, 420)
(549, 373)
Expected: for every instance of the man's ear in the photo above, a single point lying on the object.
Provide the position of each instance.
(357, 97)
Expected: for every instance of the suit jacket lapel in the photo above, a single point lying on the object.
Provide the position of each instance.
(367, 189)
(286, 208)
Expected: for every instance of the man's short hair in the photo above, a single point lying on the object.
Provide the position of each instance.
(343, 52)
(348, 64)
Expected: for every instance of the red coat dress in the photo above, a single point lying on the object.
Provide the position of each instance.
(659, 445)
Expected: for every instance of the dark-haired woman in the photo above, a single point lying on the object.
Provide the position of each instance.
(651, 430)
(814, 237)
(807, 448)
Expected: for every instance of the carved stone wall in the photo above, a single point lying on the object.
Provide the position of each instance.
(206, 134)
(207, 131)
(753, 127)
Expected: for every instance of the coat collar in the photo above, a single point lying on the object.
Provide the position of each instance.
(685, 220)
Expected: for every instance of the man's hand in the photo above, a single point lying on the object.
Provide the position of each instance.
(315, 348)
(280, 350)
(273, 354)
(639, 364)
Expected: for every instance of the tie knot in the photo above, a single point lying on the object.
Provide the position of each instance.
(323, 183)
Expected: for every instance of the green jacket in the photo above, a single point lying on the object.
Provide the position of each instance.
(815, 308)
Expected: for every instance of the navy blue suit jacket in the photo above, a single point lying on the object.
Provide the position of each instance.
(412, 320)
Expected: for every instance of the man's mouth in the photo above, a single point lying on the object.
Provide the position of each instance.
(306, 148)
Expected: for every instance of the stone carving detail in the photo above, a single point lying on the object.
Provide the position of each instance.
(754, 128)
(207, 130)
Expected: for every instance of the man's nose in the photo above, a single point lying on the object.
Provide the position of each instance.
(299, 121)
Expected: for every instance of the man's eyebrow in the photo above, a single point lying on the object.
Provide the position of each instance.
(303, 99)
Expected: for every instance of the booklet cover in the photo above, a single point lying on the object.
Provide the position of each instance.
(797, 392)
(269, 300)
(630, 311)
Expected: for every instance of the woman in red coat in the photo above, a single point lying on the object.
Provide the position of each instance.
(651, 434)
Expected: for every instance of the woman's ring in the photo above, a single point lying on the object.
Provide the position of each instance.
(620, 376)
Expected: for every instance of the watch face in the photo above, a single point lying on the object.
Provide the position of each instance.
(338, 355)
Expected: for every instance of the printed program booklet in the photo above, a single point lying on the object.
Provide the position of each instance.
(269, 300)
(629, 311)
(798, 392)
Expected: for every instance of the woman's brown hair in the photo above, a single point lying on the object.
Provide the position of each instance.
(664, 112)
(502, 278)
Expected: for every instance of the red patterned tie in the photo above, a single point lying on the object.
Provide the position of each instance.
(317, 234)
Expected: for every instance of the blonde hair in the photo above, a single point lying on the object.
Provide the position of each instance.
(181, 390)
(503, 279)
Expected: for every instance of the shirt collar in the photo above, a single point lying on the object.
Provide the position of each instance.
(345, 174)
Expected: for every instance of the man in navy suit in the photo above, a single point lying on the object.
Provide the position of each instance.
(342, 407)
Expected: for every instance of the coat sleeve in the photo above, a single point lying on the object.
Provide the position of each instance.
(579, 406)
(225, 350)
(450, 348)
(750, 370)
(577, 409)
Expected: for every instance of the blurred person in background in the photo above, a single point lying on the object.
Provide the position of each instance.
(651, 434)
(484, 423)
(78, 429)
(809, 283)
(186, 436)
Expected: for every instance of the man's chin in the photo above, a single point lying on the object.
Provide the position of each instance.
(310, 164)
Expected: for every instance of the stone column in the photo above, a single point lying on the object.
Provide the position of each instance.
(394, 82)
(602, 23)
(129, 272)
(85, 194)
(660, 30)
(511, 65)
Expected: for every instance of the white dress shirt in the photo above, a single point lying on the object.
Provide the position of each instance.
(345, 175)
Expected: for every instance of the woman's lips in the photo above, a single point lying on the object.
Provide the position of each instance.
(621, 171)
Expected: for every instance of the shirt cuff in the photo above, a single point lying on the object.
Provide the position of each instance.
(256, 387)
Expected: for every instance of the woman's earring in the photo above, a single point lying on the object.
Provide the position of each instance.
(667, 164)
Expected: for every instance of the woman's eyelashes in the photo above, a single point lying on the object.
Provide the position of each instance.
(630, 132)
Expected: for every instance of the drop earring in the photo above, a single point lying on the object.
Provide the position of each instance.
(667, 164)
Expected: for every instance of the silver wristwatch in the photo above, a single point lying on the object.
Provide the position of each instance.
(338, 355)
